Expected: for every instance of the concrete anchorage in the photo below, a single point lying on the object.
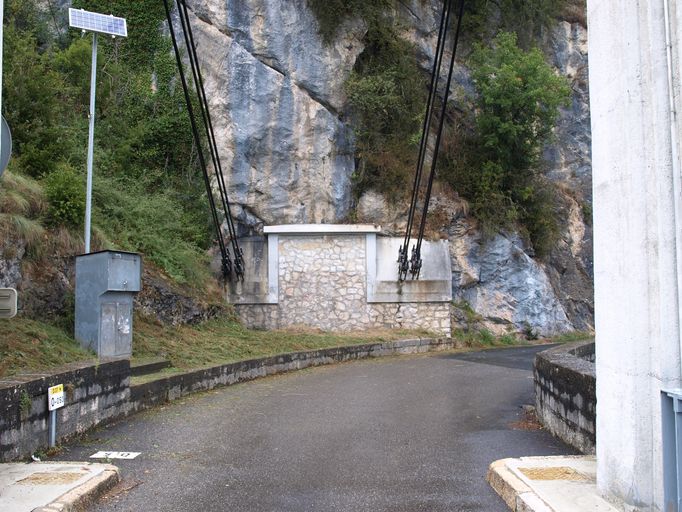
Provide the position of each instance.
(340, 278)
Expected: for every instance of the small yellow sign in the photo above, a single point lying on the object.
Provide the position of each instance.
(55, 397)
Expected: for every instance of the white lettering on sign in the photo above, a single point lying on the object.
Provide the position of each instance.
(55, 397)
(115, 455)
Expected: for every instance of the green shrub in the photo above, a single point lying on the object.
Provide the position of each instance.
(387, 94)
(65, 191)
(525, 18)
(148, 187)
(331, 14)
(529, 331)
(486, 337)
(517, 106)
(508, 339)
(36, 103)
(155, 224)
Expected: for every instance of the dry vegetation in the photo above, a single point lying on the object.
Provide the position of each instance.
(29, 345)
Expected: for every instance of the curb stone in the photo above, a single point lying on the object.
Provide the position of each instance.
(515, 493)
(79, 498)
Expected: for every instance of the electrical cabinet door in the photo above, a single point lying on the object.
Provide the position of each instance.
(116, 333)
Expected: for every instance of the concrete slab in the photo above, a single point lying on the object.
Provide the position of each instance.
(549, 484)
(60, 486)
(321, 229)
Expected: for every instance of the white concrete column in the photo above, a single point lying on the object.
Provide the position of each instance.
(636, 279)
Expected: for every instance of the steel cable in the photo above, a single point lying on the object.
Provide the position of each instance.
(416, 261)
(210, 134)
(225, 256)
(403, 264)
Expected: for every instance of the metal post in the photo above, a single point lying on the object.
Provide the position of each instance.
(2, 35)
(91, 143)
(53, 428)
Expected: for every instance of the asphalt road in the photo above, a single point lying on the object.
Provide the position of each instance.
(395, 434)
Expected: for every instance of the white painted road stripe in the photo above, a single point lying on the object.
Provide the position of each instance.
(115, 455)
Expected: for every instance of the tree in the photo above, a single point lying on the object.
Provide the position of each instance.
(519, 96)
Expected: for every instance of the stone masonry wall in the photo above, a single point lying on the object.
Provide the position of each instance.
(323, 284)
(565, 393)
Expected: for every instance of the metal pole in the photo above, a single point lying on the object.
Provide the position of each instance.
(53, 428)
(91, 143)
(2, 38)
(677, 171)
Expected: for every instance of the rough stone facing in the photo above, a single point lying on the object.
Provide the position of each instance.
(323, 284)
(565, 394)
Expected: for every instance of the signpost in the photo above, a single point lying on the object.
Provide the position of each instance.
(5, 145)
(55, 400)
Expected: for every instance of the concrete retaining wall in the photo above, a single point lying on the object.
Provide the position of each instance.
(94, 394)
(102, 393)
(565, 393)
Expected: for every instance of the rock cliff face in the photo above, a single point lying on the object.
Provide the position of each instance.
(277, 97)
(276, 93)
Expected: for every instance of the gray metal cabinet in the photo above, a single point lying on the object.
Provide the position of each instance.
(106, 284)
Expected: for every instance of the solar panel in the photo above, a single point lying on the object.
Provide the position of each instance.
(95, 22)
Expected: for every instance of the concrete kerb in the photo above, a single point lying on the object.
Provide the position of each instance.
(548, 484)
(509, 487)
(86, 494)
(149, 394)
(54, 486)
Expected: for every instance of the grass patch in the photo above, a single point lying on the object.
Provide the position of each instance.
(28, 345)
(223, 341)
(483, 338)
(569, 337)
(166, 372)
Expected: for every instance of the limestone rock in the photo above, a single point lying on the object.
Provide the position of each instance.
(278, 102)
(569, 158)
(570, 267)
(374, 208)
(12, 250)
(275, 91)
(503, 284)
(44, 287)
(169, 305)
